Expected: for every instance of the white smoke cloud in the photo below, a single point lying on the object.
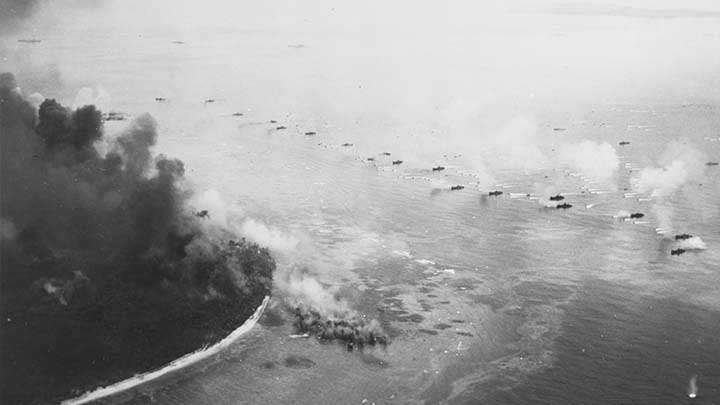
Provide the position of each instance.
(663, 181)
(89, 96)
(598, 161)
(212, 202)
(516, 146)
(7, 229)
(36, 99)
(274, 239)
(302, 290)
(679, 163)
(694, 243)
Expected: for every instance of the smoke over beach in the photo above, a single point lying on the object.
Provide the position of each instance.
(319, 312)
(107, 270)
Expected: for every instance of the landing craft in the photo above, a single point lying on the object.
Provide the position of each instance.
(160, 99)
(457, 187)
(495, 193)
(683, 236)
(114, 116)
(563, 206)
(397, 162)
(557, 197)
(280, 128)
(346, 144)
(386, 153)
(677, 252)
(237, 114)
(636, 215)
(623, 143)
(712, 163)
(30, 41)
(438, 168)
(210, 100)
(310, 133)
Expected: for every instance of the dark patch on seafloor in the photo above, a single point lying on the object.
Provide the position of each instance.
(272, 318)
(371, 360)
(268, 365)
(298, 362)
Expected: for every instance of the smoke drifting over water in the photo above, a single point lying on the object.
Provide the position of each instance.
(680, 163)
(318, 311)
(694, 243)
(599, 161)
(107, 270)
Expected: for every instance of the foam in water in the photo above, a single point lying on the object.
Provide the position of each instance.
(692, 387)
(693, 243)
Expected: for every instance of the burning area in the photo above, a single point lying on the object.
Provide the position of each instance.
(105, 271)
(353, 330)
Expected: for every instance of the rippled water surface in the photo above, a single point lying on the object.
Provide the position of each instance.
(486, 299)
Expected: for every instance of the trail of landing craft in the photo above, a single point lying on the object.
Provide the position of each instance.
(177, 364)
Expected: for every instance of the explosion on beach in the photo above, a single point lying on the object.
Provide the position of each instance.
(318, 310)
(354, 330)
(106, 270)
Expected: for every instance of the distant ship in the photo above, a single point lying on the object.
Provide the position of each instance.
(677, 252)
(30, 41)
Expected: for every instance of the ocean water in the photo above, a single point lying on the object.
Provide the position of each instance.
(486, 299)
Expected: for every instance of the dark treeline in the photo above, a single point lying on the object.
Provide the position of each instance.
(104, 270)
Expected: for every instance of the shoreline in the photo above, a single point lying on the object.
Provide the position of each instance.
(174, 365)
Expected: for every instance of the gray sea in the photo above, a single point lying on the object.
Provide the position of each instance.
(487, 299)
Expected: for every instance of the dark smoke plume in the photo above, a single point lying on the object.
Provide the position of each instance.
(354, 331)
(105, 272)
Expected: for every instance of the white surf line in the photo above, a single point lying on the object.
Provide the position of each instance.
(176, 364)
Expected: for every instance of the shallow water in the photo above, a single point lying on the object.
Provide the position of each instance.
(486, 299)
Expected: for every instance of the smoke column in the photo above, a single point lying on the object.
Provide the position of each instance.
(106, 271)
(679, 164)
(598, 161)
(318, 312)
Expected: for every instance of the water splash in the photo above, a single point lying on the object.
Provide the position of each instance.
(692, 387)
